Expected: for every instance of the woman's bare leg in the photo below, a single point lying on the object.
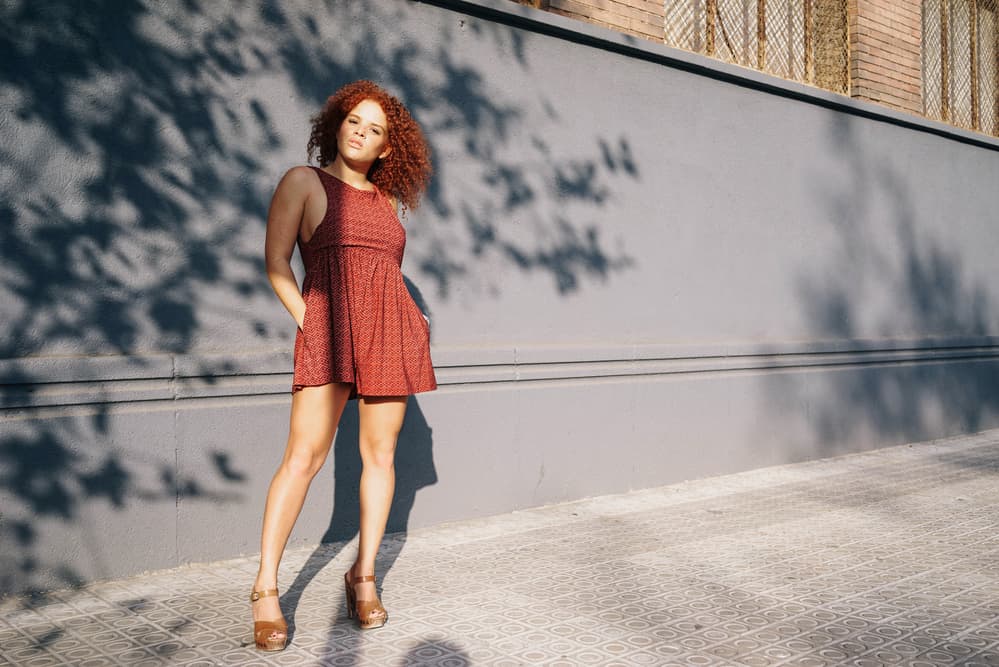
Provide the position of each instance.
(380, 423)
(315, 412)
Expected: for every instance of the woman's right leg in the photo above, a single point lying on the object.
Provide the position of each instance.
(315, 412)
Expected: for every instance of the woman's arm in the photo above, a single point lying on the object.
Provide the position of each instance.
(283, 222)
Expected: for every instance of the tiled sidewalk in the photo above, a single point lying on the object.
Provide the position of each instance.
(884, 558)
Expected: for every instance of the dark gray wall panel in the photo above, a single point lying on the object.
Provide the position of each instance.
(87, 495)
(241, 442)
(641, 266)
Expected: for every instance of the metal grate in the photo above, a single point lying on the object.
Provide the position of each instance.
(801, 40)
(961, 63)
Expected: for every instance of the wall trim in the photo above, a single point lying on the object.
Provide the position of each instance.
(63, 382)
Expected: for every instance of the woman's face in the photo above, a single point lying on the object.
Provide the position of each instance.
(363, 134)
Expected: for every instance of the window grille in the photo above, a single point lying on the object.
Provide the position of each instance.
(801, 40)
(960, 70)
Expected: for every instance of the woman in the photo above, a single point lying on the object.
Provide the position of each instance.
(360, 334)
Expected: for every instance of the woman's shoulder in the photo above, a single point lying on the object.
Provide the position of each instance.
(301, 174)
(299, 180)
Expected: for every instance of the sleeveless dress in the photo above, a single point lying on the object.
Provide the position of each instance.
(361, 325)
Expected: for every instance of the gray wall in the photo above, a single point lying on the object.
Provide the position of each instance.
(641, 267)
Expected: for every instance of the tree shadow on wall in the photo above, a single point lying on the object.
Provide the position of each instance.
(892, 275)
(53, 482)
(501, 191)
(143, 142)
(143, 157)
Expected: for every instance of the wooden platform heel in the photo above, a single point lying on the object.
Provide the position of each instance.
(262, 630)
(370, 614)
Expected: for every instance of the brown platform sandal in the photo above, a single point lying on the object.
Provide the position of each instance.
(370, 614)
(262, 630)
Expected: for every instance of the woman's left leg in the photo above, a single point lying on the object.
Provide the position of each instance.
(380, 422)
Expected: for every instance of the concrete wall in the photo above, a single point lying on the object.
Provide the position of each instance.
(641, 266)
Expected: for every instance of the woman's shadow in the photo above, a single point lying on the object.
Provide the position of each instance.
(414, 464)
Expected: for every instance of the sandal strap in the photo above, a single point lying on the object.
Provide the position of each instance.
(256, 595)
(363, 579)
(269, 626)
(368, 608)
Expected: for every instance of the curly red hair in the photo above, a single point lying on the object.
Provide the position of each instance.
(405, 171)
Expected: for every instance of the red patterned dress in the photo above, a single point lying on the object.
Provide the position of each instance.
(361, 324)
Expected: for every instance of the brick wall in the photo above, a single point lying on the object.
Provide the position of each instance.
(885, 41)
(642, 18)
(886, 52)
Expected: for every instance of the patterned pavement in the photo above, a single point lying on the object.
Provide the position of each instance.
(882, 558)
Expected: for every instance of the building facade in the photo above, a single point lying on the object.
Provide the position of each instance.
(936, 58)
